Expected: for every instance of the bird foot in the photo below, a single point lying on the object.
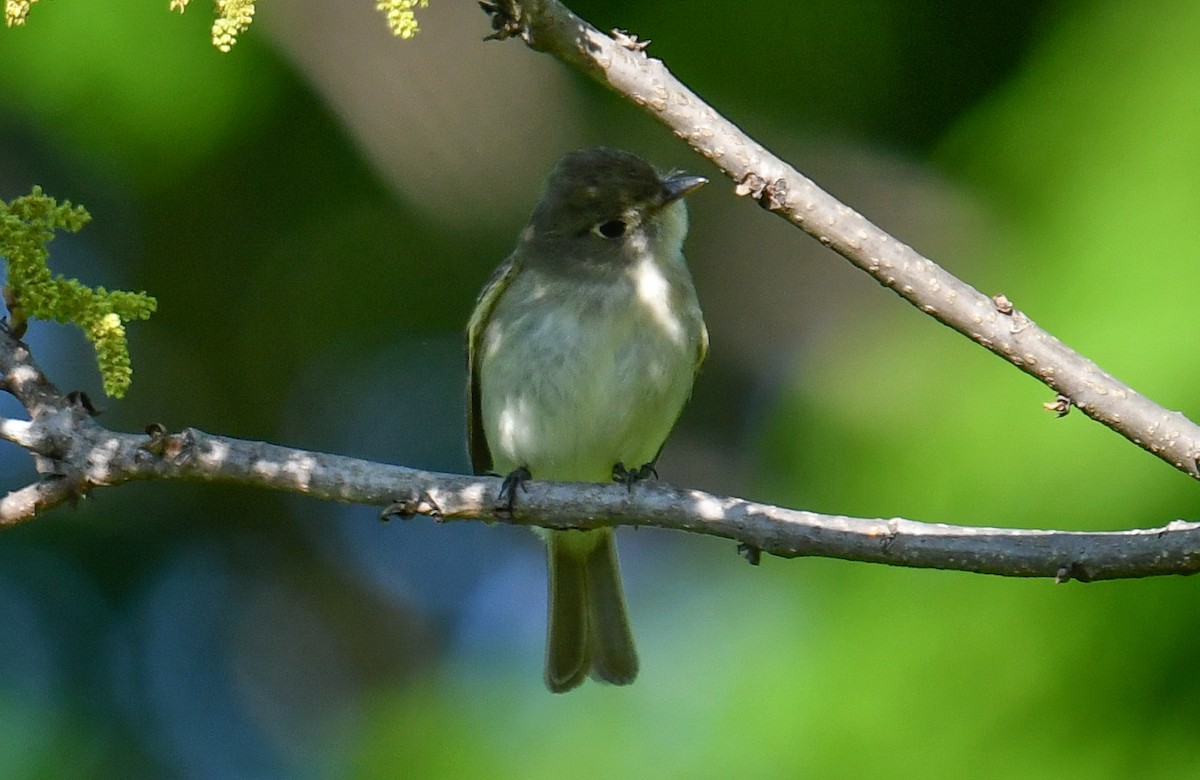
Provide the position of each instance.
(517, 478)
(627, 477)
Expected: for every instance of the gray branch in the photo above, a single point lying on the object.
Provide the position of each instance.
(75, 456)
(620, 62)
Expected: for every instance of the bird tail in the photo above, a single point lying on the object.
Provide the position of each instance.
(588, 626)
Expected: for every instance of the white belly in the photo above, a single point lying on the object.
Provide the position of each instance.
(568, 394)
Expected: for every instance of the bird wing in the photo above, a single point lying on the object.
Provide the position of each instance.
(481, 456)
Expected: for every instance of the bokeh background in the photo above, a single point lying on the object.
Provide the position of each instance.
(316, 211)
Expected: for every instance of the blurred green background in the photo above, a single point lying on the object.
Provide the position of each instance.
(315, 212)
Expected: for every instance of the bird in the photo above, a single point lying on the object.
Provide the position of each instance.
(583, 348)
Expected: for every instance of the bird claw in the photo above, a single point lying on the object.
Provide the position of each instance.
(517, 478)
(627, 477)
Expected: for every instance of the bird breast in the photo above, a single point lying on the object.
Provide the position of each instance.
(580, 374)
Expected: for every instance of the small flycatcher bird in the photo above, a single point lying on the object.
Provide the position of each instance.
(583, 348)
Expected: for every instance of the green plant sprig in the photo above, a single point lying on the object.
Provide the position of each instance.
(27, 225)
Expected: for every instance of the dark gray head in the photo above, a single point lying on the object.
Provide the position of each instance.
(609, 203)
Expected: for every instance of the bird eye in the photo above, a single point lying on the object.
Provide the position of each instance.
(613, 228)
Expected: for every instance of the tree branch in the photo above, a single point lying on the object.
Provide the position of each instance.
(75, 455)
(620, 62)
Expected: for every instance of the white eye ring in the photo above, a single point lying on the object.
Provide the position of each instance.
(611, 228)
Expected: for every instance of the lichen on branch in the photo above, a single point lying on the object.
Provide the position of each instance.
(27, 225)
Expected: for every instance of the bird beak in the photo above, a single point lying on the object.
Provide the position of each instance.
(676, 185)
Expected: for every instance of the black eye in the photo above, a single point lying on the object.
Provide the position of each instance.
(613, 228)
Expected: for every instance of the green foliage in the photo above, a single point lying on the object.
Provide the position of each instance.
(233, 17)
(27, 225)
(1085, 159)
(15, 12)
(400, 17)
